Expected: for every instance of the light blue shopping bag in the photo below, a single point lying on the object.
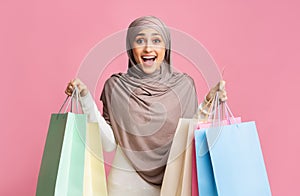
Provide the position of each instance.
(205, 175)
(237, 160)
(229, 157)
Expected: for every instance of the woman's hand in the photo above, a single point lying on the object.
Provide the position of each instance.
(220, 87)
(83, 90)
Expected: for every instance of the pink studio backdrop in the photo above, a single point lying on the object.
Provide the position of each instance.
(43, 43)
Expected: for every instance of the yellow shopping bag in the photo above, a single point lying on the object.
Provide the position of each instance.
(94, 172)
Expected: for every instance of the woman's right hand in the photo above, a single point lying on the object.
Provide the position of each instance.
(83, 90)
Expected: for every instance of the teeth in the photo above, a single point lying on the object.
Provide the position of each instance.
(148, 57)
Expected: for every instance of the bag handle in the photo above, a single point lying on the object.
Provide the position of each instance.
(220, 109)
(214, 108)
(70, 102)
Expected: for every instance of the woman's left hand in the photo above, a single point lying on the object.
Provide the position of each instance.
(220, 87)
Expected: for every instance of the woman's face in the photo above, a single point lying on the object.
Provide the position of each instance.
(148, 50)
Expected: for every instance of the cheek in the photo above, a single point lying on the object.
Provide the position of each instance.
(161, 54)
(136, 53)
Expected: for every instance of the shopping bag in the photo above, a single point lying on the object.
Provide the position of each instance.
(72, 162)
(178, 176)
(234, 161)
(94, 181)
(204, 176)
(237, 160)
(60, 171)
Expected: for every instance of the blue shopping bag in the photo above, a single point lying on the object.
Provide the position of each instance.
(237, 160)
(229, 157)
(205, 176)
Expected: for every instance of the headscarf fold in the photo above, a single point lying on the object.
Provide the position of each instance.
(143, 109)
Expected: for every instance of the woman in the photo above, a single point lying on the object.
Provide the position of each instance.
(141, 109)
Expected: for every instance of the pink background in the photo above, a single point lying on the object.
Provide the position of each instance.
(43, 43)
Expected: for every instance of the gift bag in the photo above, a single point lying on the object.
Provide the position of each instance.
(234, 161)
(72, 162)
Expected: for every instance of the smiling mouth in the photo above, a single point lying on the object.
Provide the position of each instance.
(148, 60)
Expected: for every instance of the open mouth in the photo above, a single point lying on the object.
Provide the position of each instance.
(148, 60)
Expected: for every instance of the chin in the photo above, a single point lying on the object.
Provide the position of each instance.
(149, 70)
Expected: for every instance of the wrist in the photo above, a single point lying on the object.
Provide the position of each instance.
(203, 108)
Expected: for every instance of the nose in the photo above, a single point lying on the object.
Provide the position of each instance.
(148, 47)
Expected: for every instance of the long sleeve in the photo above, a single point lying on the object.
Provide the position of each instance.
(90, 108)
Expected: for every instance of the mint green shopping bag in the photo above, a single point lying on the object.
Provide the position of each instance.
(62, 168)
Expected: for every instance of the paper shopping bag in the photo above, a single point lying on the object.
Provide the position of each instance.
(178, 176)
(61, 171)
(204, 175)
(94, 173)
(237, 160)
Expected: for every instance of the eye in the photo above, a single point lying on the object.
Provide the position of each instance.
(156, 41)
(139, 41)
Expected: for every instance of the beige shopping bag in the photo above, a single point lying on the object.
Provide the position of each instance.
(178, 175)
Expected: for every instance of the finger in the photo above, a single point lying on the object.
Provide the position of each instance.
(223, 96)
(69, 90)
(73, 84)
(222, 85)
(68, 93)
(76, 82)
(223, 93)
(223, 99)
(69, 85)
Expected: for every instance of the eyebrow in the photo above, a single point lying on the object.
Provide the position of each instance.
(143, 34)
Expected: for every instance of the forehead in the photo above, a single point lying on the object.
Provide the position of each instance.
(148, 32)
